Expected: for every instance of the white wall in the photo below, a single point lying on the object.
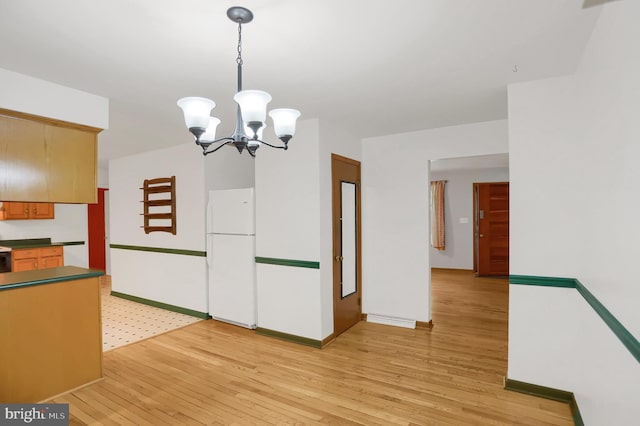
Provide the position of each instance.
(334, 139)
(458, 204)
(70, 224)
(573, 145)
(239, 169)
(169, 278)
(396, 211)
(288, 227)
(19, 92)
(103, 176)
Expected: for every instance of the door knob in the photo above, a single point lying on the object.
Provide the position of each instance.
(339, 258)
(481, 235)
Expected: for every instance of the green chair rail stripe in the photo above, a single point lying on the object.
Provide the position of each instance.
(627, 339)
(542, 281)
(160, 250)
(290, 337)
(288, 262)
(161, 305)
(548, 393)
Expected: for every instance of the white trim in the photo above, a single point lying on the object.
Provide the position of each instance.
(395, 321)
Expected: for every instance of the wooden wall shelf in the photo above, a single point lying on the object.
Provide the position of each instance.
(159, 219)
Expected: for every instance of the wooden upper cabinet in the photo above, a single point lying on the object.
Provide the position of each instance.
(15, 210)
(41, 210)
(75, 155)
(47, 160)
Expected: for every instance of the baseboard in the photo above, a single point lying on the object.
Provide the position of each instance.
(548, 393)
(425, 325)
(290, 337)
(388, 320)
(452, 270)
(51, 398)
(161, 305)
(328, 340)
(575, 412)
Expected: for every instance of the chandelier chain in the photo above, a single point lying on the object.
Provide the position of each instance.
(250, 103)
(239, 58)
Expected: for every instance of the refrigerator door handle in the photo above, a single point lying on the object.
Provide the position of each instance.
(209, 250)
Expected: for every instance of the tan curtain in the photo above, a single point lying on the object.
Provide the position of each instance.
(437, 214)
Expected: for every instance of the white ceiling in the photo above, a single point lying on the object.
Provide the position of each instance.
(384, 67)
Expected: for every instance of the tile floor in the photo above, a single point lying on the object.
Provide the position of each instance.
(124, 321)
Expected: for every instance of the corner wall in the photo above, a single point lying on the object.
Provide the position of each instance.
(175, 279)
(573, 145)
(395, 189)
(288, 227)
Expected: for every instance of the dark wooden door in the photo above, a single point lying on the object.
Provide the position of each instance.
(491, 227)
(97, 233)
(347, 262)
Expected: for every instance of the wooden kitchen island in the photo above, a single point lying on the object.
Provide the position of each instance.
(50, 332)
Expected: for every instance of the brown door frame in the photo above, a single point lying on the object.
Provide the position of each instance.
(338, 301)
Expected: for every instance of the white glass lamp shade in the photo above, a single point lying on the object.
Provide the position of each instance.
(197, 111)
(210, 134)
(253, 105)
(284, 121)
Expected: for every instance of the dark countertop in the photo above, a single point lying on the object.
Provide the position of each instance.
(9, 280)
(36, 242)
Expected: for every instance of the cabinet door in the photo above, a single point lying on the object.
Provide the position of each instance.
(74, 152)
(24, 160)
(50, 257)
(24, 259)
(50, 262)
(14, 210)
(27, 264)
(41, 210)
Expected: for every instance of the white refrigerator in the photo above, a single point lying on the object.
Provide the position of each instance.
(231, 251)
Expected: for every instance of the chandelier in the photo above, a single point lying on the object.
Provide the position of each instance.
(251, 112)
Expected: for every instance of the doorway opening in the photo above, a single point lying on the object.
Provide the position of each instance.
(453, 268)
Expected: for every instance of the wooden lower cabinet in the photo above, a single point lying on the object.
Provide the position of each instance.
(51, 339)
(13, 210)
(36, 258)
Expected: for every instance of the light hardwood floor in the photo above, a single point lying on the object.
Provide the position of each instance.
(214, 373)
